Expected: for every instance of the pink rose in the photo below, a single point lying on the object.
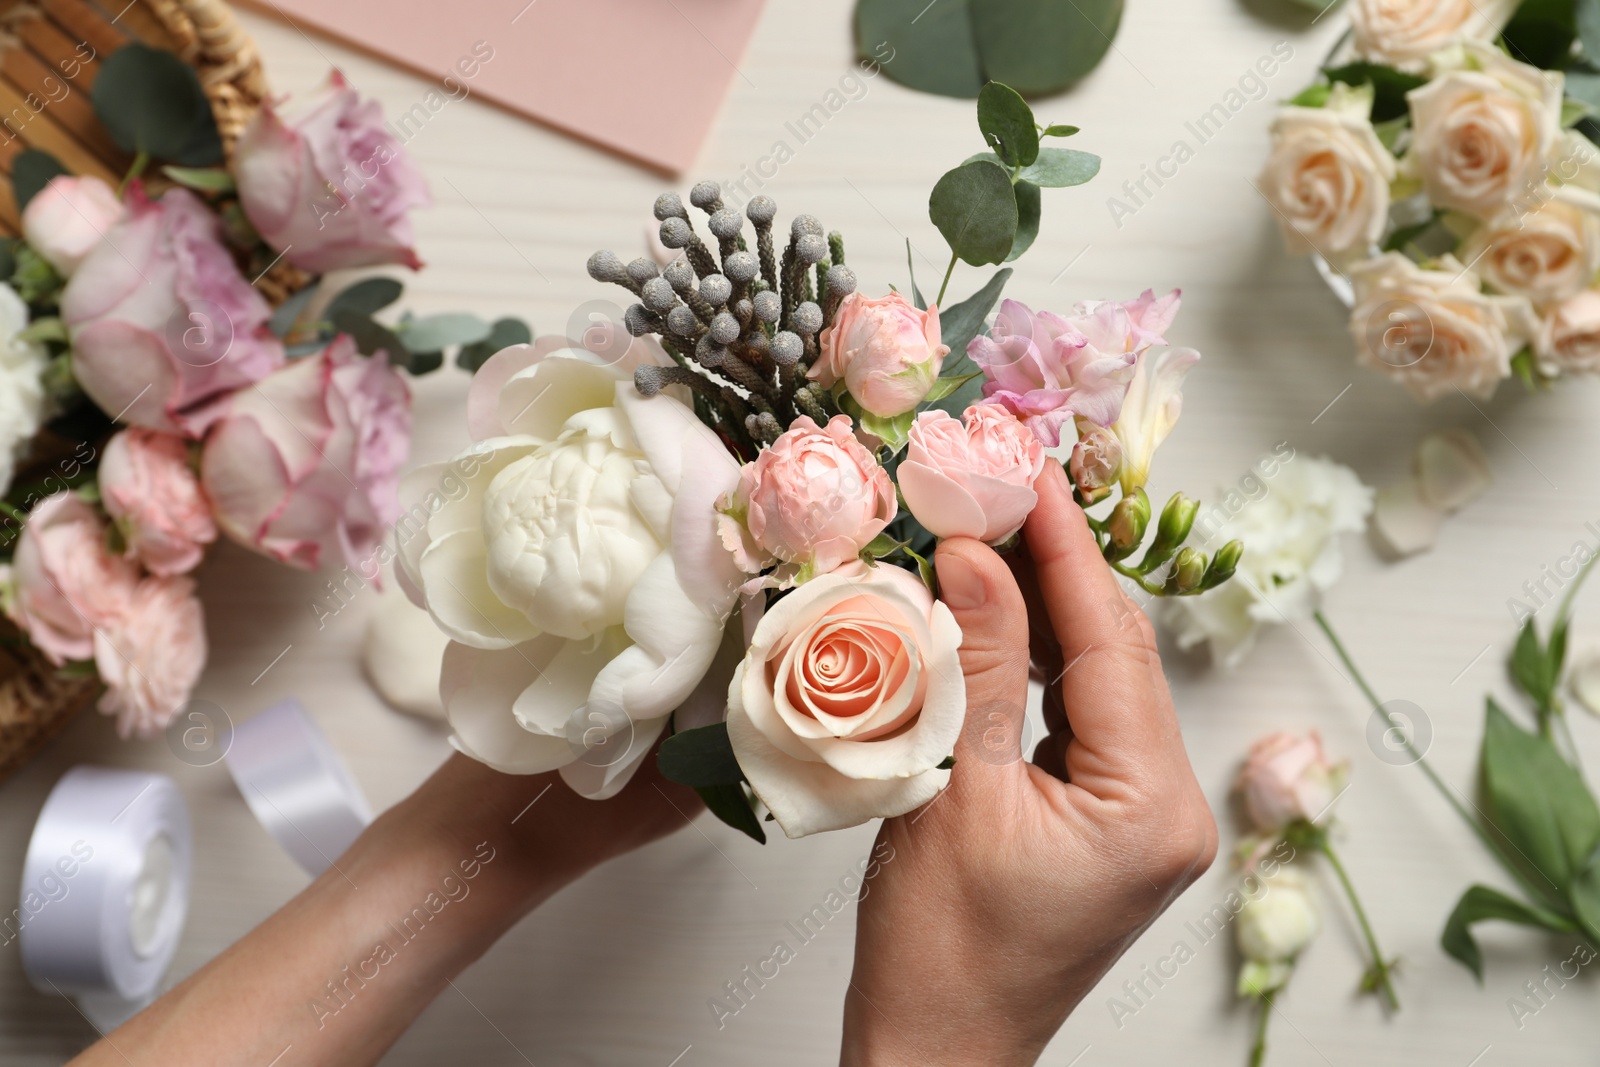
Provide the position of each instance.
(306, 464)
(885, 350)
(151, 656)
(330, 186)
(972, 480)
(1046, 368)
(1288, 778)
(815, 498)
(849, 698)
(64, 583)
(68, 217)
(149, 487)
(162, 322)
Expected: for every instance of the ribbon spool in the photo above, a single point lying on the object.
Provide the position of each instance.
(297, 786)
(105, 890)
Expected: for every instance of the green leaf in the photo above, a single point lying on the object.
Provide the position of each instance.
(923, 46)
(1587, 23)
(1481, 903)
(700, 757)
(976, 211)
(961, 322)
(503, 334)
(151, 101)
(1389, 86)
(893, 432)
(205, 179)
(946, 764)
(1057, 168)
(1537, 800)
(50, 328)
(1007, 124)
(1529, 667)
(947, 386)
(420, 363)
(434, 332)
(911, 272)
(1573, 111)
(880, 546)
(731, 804)
(1585, 896)
(1398, 240)
(370, 336)
(31, 171)
(1541, 32)
(1041, 47)
(368, 296)
(1028, 209)
(8, 257)
(1312, 95)
(1315, 5)
(1058, 131)
(1389, 134)
(286, 314)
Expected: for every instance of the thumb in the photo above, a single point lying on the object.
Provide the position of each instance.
(978, 588)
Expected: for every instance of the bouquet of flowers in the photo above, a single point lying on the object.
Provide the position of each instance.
(1443, 170)
(719, 527)
(152, 396)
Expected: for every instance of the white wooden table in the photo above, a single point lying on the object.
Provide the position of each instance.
(618, 969)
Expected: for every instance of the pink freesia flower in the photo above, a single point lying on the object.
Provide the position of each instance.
(887, 352)
(1286, 778)
(971, 477)
(151, 656)
(68, 217)
(330, 186)
(306, 464)
(149, 487)
(64, 583)
(162, 322)
(1047, 368)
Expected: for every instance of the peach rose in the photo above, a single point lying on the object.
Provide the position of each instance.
(848, 700)
(1569, 337)
(971, 477)
(814, 499)
(150, 489)
(1544, 255)
(885, 350)
(1404, 33)
(64, 583)
(151, 656)
(1288, 778)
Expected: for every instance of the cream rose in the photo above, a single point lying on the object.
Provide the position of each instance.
(848, 699)
(1569, 336)
(1434, 330)
(1328, 176)
(1483, 134)
(1404, 33)
(572, 557)
(1275, 925)
(1545, 255)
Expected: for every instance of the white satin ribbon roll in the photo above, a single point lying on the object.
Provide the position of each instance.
(105, 890)
(297, 786)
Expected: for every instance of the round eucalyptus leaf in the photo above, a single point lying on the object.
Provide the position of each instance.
(151, 101)
(31, 171)
(1007, 124)
(434, 332)
(976, 211)
(503, 334)
(370, 336)
(367, 296)
(1028, 209)
(1057, 168)
(923, 46)
(1040, 47)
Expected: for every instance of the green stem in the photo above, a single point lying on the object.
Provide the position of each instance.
(951, 269)
(12, 512)
(1565, 609)
(1380, 966)
(1427, 768)
(140, 162)
(1258, 1050)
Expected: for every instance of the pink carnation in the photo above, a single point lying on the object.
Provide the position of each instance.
(151, 656)
(64, 583)
(149, 487)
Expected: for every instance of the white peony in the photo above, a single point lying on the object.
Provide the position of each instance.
(22, 394)
(1404, 33)
(577, 572)
(1291, 556)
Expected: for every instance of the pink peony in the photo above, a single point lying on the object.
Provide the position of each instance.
(151, 656)
(149, 487)
(973, 479)
(1046, 368)
(1288, 778)
(305, 464)
(64, 583)
(162, 322)
(68, 217)
(885, 350)
(815, 498)
(330, 186)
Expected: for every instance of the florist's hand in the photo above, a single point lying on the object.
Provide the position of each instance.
(1009, 896)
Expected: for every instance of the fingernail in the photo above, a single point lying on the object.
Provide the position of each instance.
(960, 586)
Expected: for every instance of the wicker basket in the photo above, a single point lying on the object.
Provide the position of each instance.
(41, 43)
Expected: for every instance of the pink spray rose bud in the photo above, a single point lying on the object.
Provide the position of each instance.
(67, 218)
(885, 351)
(149, 487)
(973, 479)
(329, 186)
(814, 499)
(162, 322)
(1287, 778)
(1096, 461)
(64, 583)
(151, 656)
(305, 465)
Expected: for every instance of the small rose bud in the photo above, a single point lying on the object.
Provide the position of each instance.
(1127, 524)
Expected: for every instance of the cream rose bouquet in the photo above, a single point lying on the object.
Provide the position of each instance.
(1444, 172)
(152, 396)
(717, 531)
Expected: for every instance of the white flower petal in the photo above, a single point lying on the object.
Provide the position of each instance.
(559, 682)
(601, 774)
(538, 401)
(453, 575)
(1452, 470)
(478, 687)
(1404, 520)
(402, 654)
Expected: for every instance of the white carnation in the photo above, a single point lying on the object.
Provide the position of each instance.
(22, 394)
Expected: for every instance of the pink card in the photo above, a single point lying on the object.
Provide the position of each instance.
(642, 77)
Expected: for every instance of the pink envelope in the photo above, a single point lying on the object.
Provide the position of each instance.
(642, 77)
